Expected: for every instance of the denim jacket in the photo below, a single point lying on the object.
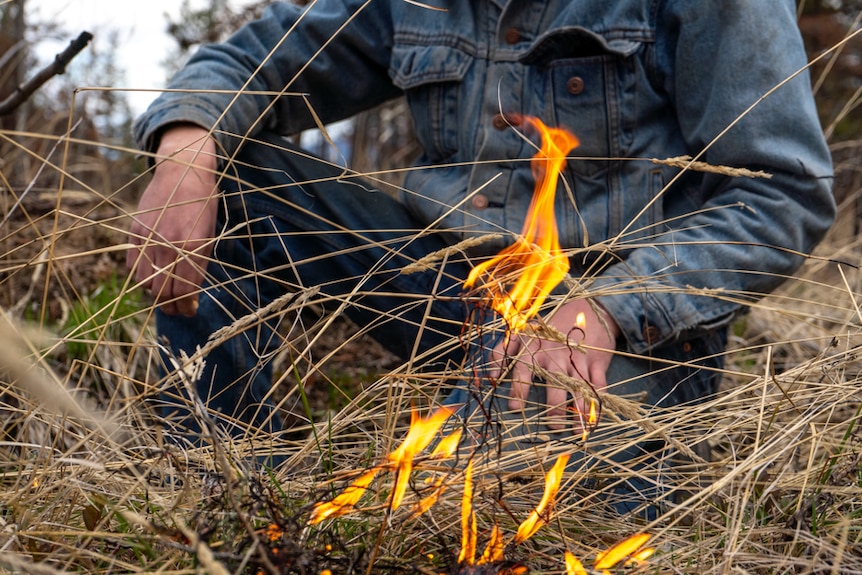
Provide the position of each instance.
(667, 252)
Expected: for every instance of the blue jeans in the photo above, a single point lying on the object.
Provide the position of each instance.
(283, 233)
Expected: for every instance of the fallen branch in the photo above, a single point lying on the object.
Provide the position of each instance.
(58, 66)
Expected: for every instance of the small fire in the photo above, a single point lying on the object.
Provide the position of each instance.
(633, 548)
(537, 516)
(574, 565)
(522, 275)
(428, 501)
(467, 556)
(419, 435)
(444, 449)
(592, 420)
(518, 281)
(346, 501)
(625, 548)
(447, 445)
(494, 551)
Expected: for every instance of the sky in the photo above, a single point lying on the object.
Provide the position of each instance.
(144, 44)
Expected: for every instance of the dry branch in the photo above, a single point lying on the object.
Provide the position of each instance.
(58, 66)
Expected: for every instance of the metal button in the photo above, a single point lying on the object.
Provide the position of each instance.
(480, 201)
(503, 121)
(575, 85)
(651, 334)
(512, 36)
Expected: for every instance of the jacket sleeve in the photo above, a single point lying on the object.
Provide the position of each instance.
(735, 72)
(332, 57)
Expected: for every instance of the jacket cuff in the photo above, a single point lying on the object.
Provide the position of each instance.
(148, 128)
(651, 313)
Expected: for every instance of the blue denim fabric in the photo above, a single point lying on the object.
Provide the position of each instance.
(633, 79)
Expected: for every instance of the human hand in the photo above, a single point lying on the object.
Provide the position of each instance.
(597, 339)
(175, 221)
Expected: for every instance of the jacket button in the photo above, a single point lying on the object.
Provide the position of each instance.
(480, 201)
(512, 36)
(575, 85)
(502, 121)
(651, 334)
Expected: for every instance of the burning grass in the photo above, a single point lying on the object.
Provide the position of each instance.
(91, 484)
(94, 481)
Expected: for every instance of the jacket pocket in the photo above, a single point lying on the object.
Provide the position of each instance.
(586, 84)
(430, 77)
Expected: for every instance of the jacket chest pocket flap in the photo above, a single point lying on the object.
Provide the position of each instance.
(430, 77)
(585, 82)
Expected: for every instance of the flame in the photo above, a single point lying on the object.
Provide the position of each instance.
(467, 556)
(344, 502)
(420, 434)
(573, 565)
(640, 557)
(426, 502)
(447, 445)
(609, 558)
(552, 484)
(494, 551)
(592, 420)
(535, 262)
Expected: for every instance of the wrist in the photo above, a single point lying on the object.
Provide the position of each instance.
(186, 145)
(608, 321)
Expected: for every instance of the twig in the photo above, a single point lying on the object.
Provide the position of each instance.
(58, 66)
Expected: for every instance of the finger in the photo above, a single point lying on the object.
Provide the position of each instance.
(135, 255)
(186, 285)
(187, 305)
(505, 349)
(521, 382)
(598, 378)
(161, 287)
(496, 359)
(140, 266)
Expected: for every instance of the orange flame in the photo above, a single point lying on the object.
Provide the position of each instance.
(447, 445)
(552, 484)
(535, 260)
(467, 556)
(608, 559)
(494, 551)
(640, 557)
(420, 434)
(573, 565)
(428, 501)
(344, 502)
(592, 419)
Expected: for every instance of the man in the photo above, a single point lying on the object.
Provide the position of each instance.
(665, 260)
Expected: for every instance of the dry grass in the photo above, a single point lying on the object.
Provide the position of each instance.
(92, 483)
